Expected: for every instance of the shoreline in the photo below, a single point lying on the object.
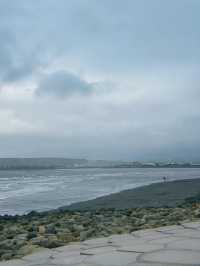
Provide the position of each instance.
(21, 235)
(54, 189)
(158, 194)
(100, 167)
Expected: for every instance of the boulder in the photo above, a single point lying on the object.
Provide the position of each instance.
(86, 234)
(41, 229)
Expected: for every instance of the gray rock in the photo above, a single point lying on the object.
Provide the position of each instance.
(86, 234)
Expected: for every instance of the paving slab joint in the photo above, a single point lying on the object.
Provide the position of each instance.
(140, 260)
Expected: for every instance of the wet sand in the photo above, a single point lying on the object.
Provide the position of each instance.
(162, 194)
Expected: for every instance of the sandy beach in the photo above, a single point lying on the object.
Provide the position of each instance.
(162, 194)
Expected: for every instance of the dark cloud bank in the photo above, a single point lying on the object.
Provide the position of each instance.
(63, 84)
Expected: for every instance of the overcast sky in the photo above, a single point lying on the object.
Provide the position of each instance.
(100, 79)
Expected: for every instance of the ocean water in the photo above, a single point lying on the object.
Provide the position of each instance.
(22, 191)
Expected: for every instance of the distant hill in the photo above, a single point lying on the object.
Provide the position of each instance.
(59, 163)
(40, 163)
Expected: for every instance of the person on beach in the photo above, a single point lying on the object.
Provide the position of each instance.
(164, 179)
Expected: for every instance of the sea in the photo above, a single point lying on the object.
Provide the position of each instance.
(22, 191)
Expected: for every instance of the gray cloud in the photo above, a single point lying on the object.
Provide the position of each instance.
(62, 84)
(140, 66)
(101, 36)
(5, 53)
(22, 53)
(16, 63)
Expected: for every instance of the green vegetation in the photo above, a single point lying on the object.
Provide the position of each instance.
(21, 235)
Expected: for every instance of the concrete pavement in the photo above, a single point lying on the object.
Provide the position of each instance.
(170, 245)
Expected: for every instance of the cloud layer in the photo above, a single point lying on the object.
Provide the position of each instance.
(62, 84)
(100, 79)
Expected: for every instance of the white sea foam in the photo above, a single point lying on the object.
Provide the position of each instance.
(22, 191)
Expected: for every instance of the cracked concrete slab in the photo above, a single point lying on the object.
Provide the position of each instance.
(188, 244)
(95, 251)
(194, 225)
(175, 246)
(183, 257)
(140, 248)
(13, 263)
(96, 242)
(113, 259)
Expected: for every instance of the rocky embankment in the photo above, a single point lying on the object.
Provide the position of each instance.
(21, 235)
